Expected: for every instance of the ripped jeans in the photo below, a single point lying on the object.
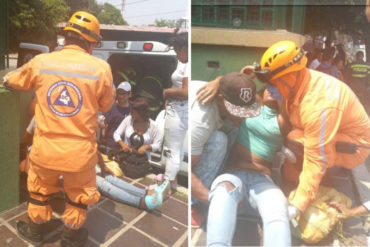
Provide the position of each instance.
(261, 193)
(175, 129)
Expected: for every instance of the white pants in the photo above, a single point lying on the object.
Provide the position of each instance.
(176, 125)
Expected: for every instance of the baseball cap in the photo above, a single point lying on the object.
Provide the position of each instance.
(125, 86)
(239, 92)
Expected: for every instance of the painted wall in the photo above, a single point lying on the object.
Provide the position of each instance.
(9, 148)
(229, 58)
(3, 31)
(217, 51)
(14, 119)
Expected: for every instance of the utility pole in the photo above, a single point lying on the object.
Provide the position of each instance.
(123, 6)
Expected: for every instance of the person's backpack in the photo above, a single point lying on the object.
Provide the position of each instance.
(318, 220)
(133, 165)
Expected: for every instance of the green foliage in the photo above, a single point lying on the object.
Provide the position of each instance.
(111, 15)
(348, 17)
(35, 21)
(167, 23)
(77, 5)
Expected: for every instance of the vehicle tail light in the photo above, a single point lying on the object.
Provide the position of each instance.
(148, 46)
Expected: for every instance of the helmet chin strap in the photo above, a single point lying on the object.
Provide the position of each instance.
(286, 84)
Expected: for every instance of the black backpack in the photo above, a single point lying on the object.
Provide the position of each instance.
(133, 165)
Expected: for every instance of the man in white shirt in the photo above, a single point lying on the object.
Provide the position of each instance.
(211, 139)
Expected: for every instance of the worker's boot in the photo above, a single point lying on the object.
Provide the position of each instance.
(74, 238)
(31, 232)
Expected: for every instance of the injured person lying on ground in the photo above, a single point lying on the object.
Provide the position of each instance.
(110, 185)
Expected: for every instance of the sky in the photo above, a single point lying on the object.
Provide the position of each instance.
(144, 12)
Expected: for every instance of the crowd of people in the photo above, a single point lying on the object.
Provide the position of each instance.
(355, 74)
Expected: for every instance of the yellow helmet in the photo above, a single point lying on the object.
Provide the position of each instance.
(281, 58)
(84, 24)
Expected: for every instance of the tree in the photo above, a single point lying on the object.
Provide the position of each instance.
(167, 23)
(77, 5)
(35, 21)
(348, 18)
(111, 15)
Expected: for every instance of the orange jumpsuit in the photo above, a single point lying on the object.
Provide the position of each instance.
(324, 110)
(71, 86)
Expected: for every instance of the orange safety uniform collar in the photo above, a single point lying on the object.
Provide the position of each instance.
(73, 47)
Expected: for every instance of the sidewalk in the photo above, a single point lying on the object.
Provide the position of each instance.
(113, 224)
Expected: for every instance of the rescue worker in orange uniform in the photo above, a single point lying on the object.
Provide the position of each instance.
(71, 87)
(322, 110)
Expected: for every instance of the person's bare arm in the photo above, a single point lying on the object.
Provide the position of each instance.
(177, 93)
(198, 190)
(194, 160)
(103, 168)
(144, 148)
(367, 10)
(345, 212)
(125, 147)
(208, 92)
(248, 70)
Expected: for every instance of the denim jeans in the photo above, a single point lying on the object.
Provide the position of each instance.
(176, 126)
(214, 155)
(262, 194)
(211, 159)
(118, 189)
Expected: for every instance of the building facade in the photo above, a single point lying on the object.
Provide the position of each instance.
(229, 34)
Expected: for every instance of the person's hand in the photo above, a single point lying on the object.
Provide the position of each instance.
(102, 166)
(142, 149)
(208, 92)
(293, 212)
(126, 148)
(165, 94)
(344, 212)
(108, 170)
(248, 70)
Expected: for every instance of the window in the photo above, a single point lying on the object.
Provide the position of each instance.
(213, 65)
(237, 16)
(208, 13)
(237, 2)
(267, 2)
(223, 14)
(267, 18)
(253, 13)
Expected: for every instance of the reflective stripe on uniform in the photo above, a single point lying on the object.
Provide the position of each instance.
(68, 73)
(322, 141)
(332, 93)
